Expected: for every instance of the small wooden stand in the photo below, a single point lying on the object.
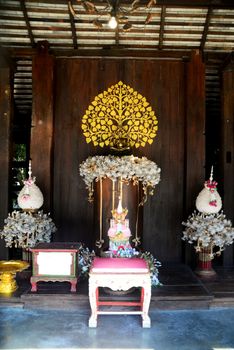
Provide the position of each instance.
(54, 262)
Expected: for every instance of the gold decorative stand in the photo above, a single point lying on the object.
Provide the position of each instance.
(8, 271)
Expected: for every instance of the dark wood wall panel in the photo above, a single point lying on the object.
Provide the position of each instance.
(162, 84)
(76, 86)
(195, 129)
(227, 160)
(42, 124)
(194, 165)
(5, 147)
(78, 81)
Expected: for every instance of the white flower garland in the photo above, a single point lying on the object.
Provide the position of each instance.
(129, 168)
(208, 230)
(25, 229)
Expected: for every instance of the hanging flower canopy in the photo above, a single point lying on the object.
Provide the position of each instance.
(119, 118)
(128, 168)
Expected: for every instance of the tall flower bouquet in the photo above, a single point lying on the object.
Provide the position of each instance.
(208, 228)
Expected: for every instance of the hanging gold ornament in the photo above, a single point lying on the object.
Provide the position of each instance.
(119, 118)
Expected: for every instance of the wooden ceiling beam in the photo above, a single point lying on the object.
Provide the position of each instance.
(116, 37)
(180, 3)
(197, 3)
(28, 52)
(24, 10)
(206, 28)
(73, 28)
(190, 3)
(162, 23)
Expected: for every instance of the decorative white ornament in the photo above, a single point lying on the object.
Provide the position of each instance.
(209, 201)
(30, 197)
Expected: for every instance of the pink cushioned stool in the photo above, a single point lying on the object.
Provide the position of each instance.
(119, 274)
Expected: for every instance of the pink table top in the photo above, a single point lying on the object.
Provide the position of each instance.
(119, 265)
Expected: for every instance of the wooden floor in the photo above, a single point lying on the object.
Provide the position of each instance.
(181, 289)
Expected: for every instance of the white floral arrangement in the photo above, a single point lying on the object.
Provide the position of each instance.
(26, 229)
(208, 230)
(129, 168)
(85, 259)
(152, 262)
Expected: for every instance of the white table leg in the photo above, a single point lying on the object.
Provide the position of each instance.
(93, 321)
(93, 290)
(146, 323)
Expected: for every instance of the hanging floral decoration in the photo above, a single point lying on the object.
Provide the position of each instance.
(26, 229)
(208, 230)
(128, 168)
(119, 118)
(120, 170)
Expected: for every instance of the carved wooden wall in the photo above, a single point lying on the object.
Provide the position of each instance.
(174, 88)
(62, 90)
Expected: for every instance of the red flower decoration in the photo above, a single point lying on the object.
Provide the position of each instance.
(213, 203)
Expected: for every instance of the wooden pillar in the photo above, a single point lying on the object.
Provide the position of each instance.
(6, 111)
(194, 171)
(227, 152)
(42, 121)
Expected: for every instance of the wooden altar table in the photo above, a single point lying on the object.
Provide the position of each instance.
(119, 274)
(54, 262)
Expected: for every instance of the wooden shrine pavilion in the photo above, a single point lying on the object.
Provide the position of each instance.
(57, 55)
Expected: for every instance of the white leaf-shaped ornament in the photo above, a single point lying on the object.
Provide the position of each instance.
(30, 197)
(208, 201)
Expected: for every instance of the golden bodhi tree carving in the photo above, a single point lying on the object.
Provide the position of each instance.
(120, 118)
